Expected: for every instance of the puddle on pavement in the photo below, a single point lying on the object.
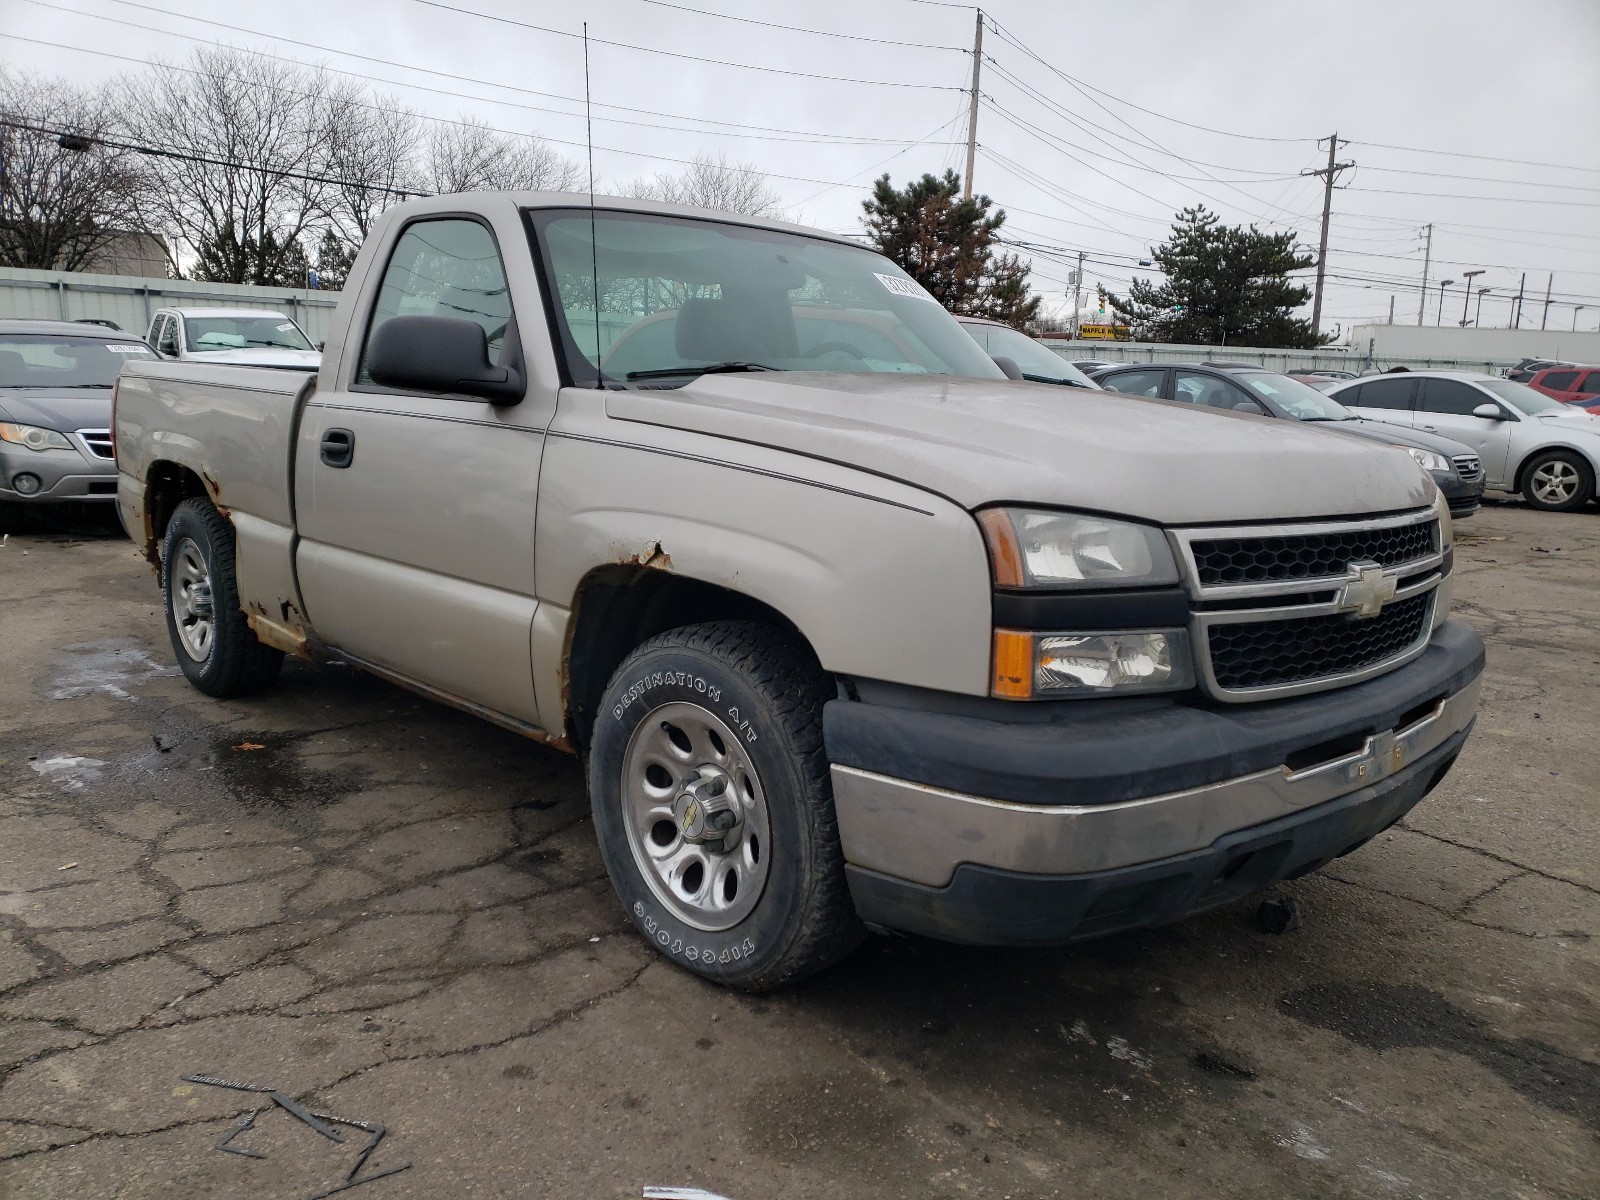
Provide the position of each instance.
(113, 666)
(72, 772)
(1380, 1017)
(263, 770)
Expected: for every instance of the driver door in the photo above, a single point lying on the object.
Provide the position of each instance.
(1445, 407)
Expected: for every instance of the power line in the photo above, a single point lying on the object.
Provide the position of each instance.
(853, 37)
(716, 62)
(1475, 196)
(1516, 162)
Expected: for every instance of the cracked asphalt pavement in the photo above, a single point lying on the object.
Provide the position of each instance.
(395, 913)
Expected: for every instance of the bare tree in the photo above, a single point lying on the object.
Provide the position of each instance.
(712, 183)
(247, 138)
(371, 156)
(63, 199)
(467, 156)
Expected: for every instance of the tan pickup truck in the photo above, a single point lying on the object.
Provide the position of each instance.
(851, 630)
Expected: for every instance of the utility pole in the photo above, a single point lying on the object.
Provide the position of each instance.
(1391, 310)
(972, 111)
(1548, 284)
(1328, 174)
(1516, 318)
(1427, 259)
(1077, 290)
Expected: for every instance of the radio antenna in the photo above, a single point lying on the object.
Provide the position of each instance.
(594, 251)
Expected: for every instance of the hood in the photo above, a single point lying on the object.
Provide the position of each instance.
(1580, 419)
(1399, 435)
(303, 360)
(979, 441)
(61, 409)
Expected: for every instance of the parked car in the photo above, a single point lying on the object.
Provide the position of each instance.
(251, 337)
(1527, 368)
(841, 645)
(1529, 443)
(1332, 374)
(1032, 361)
(1454, 467)
(1090, 365)
(55, 413)
(1323, 383)
(1570, 385)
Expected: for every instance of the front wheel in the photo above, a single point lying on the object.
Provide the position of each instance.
(216, 649)
(713, 807)
(1558, 481)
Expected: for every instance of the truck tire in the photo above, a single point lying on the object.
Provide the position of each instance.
(1557, 481)
(214, 644)
(713, 806)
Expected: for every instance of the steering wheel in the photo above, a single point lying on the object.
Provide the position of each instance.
(822, 348)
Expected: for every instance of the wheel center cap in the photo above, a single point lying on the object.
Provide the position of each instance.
(705, 809)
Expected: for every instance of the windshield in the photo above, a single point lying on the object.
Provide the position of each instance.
(1295, 398)
(1522, 397)
(53, 361)
(1035, 361)
(238, 333)
(679, 297)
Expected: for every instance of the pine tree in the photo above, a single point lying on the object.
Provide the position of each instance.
(1224, 285)
(946, 244)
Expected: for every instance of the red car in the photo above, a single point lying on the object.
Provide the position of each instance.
(1570, 385)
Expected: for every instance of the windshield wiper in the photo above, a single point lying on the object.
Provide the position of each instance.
(721, 368)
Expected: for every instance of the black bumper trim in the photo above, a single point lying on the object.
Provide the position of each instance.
(987, 906)
(1094, 753)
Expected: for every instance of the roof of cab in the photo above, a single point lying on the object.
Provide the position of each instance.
(67, 328)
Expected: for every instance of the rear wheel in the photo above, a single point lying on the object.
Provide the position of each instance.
(1558, 481)
(216, 649)
(713, 807)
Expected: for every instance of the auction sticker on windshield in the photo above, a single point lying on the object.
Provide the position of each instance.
(903, 287)
(115, 348)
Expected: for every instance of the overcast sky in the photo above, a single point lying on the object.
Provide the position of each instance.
(1231, 98)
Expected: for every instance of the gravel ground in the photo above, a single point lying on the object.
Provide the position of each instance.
(396, 914)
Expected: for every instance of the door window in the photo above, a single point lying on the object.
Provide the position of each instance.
(168, 335)
(450, 267)
(1382, 393)
(1559, 381)
(1136, 383)
(1590, 385)
(1210, 392)
(1451, 397)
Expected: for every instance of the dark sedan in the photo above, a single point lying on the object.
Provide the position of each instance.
(55, 412)
(1455, 468)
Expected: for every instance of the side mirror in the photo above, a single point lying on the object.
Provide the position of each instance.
(440, 354)
(1489, 412)
(317, 346)
(1008, 366)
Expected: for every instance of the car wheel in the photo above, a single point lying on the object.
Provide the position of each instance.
(216, 649)
(1558, 481)
(713, 806)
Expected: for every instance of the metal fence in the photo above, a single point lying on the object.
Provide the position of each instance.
(1329, 358)
(130, 300)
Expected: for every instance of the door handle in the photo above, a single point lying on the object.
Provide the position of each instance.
(338, 447)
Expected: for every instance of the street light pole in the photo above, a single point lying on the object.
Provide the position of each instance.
(1443, 283)
(1575, 313)
(1477, 313)
(1467, 277)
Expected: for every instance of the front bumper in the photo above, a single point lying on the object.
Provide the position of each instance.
(63, 475)
(975, 830)
(1463, 498)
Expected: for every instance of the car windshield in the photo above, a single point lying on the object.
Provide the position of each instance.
(680, 297)
(239, 333)
(1521, 397)
(1301, 402)
(61, 361)
(1033, 360)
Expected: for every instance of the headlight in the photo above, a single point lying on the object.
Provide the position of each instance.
(1428, 460)
(1033, 548)
(1043, 666)
(33, 437)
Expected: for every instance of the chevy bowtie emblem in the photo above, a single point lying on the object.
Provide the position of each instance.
(1366, 595)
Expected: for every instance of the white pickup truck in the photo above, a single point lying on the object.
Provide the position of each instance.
(852, 631)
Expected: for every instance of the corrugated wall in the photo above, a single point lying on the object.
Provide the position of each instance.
(129, 300)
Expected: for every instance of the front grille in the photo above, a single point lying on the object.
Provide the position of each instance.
(1469, 467)
(1272, 559)
(1259, 654)
(99, 442)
